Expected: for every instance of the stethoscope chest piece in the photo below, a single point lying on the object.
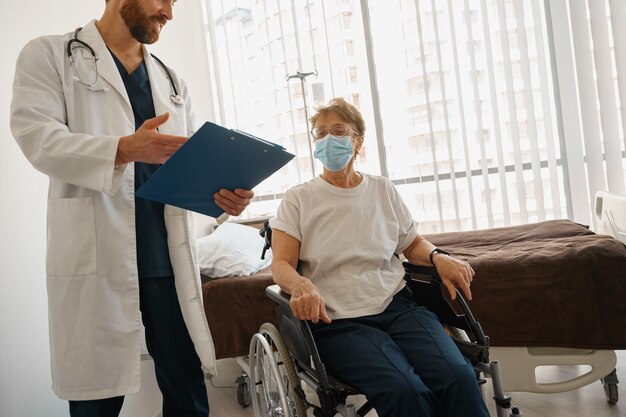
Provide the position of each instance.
(177, 99)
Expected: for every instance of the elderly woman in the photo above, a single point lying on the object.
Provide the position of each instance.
(346, 227)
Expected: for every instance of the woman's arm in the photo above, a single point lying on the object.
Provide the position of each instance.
(453, 272)
(306, 301)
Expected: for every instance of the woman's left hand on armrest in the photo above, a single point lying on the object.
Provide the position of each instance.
(454, 273)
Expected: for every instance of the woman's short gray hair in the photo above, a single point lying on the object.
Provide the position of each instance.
(343, 109)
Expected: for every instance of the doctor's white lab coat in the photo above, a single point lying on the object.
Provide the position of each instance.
(70, 132)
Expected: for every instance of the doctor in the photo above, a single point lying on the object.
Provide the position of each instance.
(94, 111)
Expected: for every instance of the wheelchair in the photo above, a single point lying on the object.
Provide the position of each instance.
(284, 357)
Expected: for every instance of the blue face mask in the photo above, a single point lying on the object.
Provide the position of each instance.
(333, 152)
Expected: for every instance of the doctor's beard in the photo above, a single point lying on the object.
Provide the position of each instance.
(142, 27)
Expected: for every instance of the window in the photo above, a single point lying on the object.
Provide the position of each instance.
(467, 111)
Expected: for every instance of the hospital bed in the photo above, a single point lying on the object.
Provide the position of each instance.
(549, 293)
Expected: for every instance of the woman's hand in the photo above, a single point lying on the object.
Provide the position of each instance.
(307, 303)
(454, 273)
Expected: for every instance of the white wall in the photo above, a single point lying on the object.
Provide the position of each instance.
(24, 358)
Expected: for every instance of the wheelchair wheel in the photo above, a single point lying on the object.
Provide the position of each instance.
(286, 369)
(275, 371)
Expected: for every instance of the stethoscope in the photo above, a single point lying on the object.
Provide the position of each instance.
(175, 97)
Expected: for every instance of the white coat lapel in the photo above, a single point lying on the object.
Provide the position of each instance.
(161, 92)
(106, 66)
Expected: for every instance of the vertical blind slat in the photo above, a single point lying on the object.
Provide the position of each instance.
(547, 108)
(429, 113)
(215, 60)
(461, 107)
(310, 22)
(587, 97)
(446, 120)
(512, 106)
(369, 52)
(274, 86)
(530, 109)
(229, 64)
(330, 62)
(480, 135)
(570, 111)
(296, 35)
(246, 68)
(606, 92)
(495, 114)
(618, 17)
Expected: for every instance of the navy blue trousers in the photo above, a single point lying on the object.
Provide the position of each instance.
(177, 366)
(403, 361)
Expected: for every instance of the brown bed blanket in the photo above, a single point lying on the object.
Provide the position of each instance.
(553, 283)
(235, 308)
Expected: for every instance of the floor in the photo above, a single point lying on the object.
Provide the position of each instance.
(584, 402)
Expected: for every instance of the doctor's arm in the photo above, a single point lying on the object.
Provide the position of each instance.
(39, 124)
(453, 272)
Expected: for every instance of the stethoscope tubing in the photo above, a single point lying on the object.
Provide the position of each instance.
(176, 97)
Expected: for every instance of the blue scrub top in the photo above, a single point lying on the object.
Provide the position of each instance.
(153, 258)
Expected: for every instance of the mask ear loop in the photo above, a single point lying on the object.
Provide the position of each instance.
(359, 144)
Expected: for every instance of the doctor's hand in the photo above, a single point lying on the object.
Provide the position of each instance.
(307, 303)
(147, 144)
(233, 202)
(454, 273)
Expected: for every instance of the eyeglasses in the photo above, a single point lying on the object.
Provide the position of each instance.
(339, 131)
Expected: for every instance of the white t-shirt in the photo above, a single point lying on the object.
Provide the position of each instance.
(348, 237)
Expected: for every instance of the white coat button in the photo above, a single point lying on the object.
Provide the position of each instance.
(124, 187)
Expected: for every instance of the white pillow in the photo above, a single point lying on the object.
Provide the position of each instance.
(232, 250)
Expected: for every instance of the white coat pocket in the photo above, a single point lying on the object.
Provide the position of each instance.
(71, 237)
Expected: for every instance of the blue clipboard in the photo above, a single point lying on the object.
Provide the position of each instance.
(213, 158)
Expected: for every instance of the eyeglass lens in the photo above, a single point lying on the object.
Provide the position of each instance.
(335, 130)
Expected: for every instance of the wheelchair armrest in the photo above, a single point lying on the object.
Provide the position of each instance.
(431, 271)
(297, 334)
(278, 296)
